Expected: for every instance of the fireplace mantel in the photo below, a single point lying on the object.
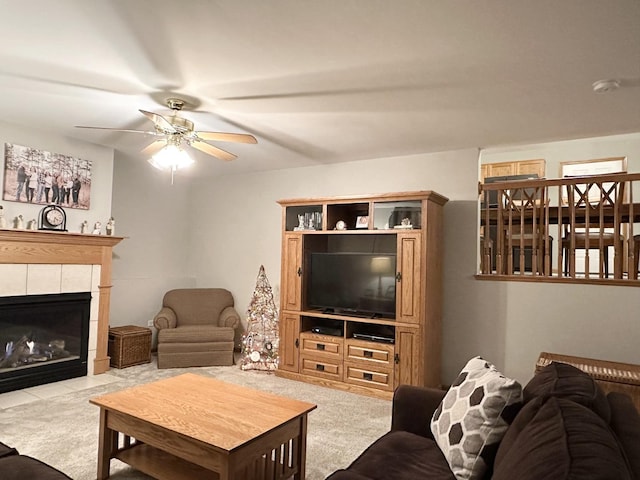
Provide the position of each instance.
(50, 247)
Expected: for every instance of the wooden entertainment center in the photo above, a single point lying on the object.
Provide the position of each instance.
(393, 335)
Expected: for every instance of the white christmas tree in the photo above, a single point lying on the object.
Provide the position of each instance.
(260, 344)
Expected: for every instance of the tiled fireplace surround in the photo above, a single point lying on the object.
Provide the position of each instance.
(34, 262)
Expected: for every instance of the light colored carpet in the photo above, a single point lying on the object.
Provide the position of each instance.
(63, 431)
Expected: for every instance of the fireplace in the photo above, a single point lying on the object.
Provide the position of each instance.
(43, 338)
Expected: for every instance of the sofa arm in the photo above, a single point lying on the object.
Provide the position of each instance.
(166, 318)
(625, 422)
(413, 408)
(229, 318)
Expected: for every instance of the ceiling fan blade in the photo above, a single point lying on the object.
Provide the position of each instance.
(117, 130)
(227, 137)
(153, 148)
(629, 82)
(159, 120)
(215, 151)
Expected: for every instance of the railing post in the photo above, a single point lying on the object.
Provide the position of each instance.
(561, 254)
(631, 268)
(572, 233)
(499, 235)
(547, 245)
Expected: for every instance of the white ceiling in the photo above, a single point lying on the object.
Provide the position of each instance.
(323, 81)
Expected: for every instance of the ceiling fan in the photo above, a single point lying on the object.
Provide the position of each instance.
(174, 130)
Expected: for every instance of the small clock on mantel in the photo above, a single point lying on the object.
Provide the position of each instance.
(52, 217)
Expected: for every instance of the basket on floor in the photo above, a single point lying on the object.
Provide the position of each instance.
(129, 345)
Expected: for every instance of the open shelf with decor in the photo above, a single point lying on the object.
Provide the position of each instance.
(360, 306)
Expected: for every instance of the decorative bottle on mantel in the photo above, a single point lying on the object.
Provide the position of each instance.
(3, 221)
(18, 223)
(111, 227)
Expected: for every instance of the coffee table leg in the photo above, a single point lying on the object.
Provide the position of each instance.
(106, 445)
(302, 449)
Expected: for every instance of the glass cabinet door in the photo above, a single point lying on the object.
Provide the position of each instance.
(406, 215)
(305, 217)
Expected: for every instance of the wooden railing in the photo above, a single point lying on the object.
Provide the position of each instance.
(527, 224)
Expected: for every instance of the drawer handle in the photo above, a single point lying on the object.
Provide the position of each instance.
(368, 353)
(319, 346)
(367, 376)
(319, 367)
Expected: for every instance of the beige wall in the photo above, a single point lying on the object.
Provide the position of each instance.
(231, 225)
(153, 215)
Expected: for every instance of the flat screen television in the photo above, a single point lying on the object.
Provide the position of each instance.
(361, 284)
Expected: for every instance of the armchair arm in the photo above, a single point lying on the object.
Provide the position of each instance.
(165, 318)
(413, 408)
(229, 318)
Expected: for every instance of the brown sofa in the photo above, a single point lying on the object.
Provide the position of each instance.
(566, 428)
(196, 328)
(14, 466)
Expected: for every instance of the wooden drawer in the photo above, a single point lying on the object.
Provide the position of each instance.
(320, 367)
(358, 374)
(373, 353)
(326, 345)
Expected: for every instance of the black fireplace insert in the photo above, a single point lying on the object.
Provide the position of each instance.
(43, 339)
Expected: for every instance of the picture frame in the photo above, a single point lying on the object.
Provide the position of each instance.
(33, 175)
(362, 221)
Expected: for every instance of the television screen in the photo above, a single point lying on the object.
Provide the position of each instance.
(353, 283)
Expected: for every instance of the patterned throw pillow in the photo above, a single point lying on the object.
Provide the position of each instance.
(473, 417)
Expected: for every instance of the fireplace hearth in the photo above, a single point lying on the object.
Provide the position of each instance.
(43, 339)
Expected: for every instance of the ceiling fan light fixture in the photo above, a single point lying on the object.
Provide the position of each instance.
(171, 157)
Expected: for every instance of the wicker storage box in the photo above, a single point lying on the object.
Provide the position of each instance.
(129, 346)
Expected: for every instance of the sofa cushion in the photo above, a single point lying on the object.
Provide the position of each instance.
(21, 467)
(559, 439)
(196, 334)
(473, 416)
(413, 408)
(401, 456)
(566, 381)
(6, 450)
(198, 306)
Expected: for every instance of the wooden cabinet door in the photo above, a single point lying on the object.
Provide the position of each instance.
(501, 169)
(292, 272)
(531, 166)
(289, 342)
(408, 363)
(408, 280)
(520, 167)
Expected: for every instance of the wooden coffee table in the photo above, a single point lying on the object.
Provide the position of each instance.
(189, 426)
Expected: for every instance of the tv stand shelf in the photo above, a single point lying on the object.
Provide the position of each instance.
(348, 318)
(374, 253)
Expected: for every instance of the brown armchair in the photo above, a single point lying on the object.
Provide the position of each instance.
(196, 328)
